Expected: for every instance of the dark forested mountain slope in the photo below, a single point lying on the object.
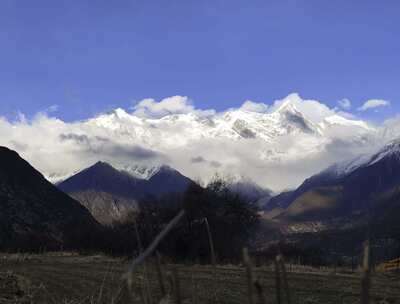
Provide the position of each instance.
(33, 212)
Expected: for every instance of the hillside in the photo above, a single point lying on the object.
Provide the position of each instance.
(33, 212)
(344, 189)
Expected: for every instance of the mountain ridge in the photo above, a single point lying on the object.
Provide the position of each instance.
(349, 187)
(33, 211)
(111, 194)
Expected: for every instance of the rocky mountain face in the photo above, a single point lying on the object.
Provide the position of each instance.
(110, 194)
(33, 212)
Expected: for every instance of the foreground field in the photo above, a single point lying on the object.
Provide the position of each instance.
(73, 279)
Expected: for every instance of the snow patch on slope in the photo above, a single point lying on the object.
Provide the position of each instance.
(139, 171)
(392, 149)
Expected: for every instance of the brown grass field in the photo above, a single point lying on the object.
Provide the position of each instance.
(77, 279)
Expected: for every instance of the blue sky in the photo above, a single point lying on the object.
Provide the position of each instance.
(90, 56)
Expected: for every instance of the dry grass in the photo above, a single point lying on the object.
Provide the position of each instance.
(97, 279)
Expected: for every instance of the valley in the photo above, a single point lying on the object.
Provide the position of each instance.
(199, 152)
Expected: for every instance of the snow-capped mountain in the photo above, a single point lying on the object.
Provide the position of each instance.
(390, 150)
(346, 188)
(285, 120)
(140, 171)
(282, 134)
(110, 194)
(236, 124)
(56, 178)
(262, 144)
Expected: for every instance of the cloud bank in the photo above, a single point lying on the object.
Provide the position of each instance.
(149, 108)
(200, 143)
(252, 106)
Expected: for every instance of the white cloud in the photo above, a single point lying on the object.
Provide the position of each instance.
(312, 109)
(252, 106)
(345, 103)
(52, 108)
(198, 145)
(149, 108)
(374, 103)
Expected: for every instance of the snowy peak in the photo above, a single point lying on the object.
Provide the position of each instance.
(56, 178)
(287, 119)
(120, 113)
(234, 124)
(110, 194)
(391, 150)
(140, 171)
(289, 104)
(339, 170)
(342, 169)
(115, 120)
(140, 180)
(348, 188)
(144, 172)
(101, 169)
(293, 121)
(296, 121)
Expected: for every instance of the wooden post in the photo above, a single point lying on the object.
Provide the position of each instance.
(365, 279)
(249, 272)
(285, 279)
(160, 276)
(213, 259)
(277, 282)
(177, 286)
(260, 292)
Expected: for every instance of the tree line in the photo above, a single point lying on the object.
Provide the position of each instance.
(232, 223)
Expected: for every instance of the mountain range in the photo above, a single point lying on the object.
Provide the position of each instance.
(232, 124)
(237, 141)
(358, 195)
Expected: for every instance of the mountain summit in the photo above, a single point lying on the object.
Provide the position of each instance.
(110, 194)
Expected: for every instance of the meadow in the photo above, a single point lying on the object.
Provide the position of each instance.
(71, 279)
